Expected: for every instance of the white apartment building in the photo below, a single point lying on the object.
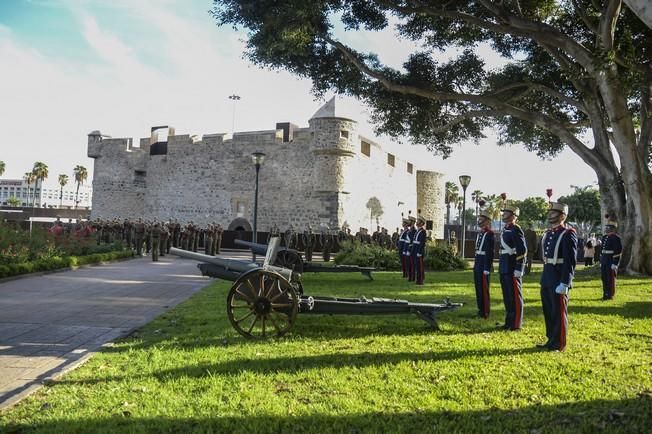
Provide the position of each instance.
(46, 197)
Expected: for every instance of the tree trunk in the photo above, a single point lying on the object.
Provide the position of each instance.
(77, 196)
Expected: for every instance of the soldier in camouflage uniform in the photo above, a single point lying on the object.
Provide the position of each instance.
(139, 235)
(155, 236)
(308, 243)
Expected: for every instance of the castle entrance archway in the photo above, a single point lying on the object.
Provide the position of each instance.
(240, 225)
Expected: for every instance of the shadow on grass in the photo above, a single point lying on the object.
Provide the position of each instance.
(296, 364)
(627, 415)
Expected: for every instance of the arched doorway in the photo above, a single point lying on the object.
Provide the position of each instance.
(239, 226)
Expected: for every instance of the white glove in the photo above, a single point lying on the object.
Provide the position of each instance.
(561, 289)
(614, 267)
(518, 274)
(486, 273)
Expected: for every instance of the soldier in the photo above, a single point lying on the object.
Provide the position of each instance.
(401, 246)
(559, 245)
(127, 228)
(148, 237)
(209, 244)
(484, 258)
(308, 243)
(165, 235)
(412, 259)
(219, 232)
(419, 250)
(394, 241)
(511, 267)
(176, 234)
(155, 235)
(375, 237)
(139, 234)
(531, 241)
(326, 244)
(273, 233)
(612, 249)
(290, 237)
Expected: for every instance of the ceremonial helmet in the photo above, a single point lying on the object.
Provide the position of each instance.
(421, 219)
(485, 213)
(557, 206)
(511, 207)
(611, 224)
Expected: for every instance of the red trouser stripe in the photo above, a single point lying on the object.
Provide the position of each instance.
(485, 295)
(562, 316)
(613, 283)
(422, 270)
(517, 304)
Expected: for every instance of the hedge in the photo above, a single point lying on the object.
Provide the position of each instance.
(438, 258)
(58, 262)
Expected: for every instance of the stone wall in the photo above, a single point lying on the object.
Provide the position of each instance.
(320, 177)
(430, 200)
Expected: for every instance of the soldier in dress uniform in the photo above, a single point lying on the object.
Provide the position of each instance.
(559, 245)
(612, 249)
(419, 250)
(401, 246)
(511, 266)
(326, 243)
(308, 243)
(484, 258)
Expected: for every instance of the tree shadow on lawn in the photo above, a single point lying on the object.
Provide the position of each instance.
(626, 415)
(297, 364)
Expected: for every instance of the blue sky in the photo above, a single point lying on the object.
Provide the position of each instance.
(121, 66)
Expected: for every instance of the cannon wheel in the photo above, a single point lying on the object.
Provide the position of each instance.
(262, 304)
(289, 259)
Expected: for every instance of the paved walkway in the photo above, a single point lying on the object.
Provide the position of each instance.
(50, 324)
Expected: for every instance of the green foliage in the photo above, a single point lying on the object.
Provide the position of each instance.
(367, 255)
(189, 371)
(438, 258)
(533, 209)
(13, 201)
(58, 262)
(583, 205)
(442, 258)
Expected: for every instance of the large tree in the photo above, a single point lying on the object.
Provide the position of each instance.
(574, 69)
(583, 205)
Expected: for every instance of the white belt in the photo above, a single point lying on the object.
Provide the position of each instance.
(553, 261)
(416, 242)
(608, 252)
(507, 251)
(480, 252)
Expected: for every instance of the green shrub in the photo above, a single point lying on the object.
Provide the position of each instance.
(366, 255)
(442, 258)
(57, 262)
(438, 258)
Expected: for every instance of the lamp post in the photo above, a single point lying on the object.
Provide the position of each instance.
(257, 158)
(234, 98)
(465, 180)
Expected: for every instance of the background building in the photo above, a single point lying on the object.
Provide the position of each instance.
(47, 196)
(325, 174)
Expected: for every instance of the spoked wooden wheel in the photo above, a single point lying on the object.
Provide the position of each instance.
(289, 259)
(262, 304)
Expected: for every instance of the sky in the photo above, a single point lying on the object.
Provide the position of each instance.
(68, 67)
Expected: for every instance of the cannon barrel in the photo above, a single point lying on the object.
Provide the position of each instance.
(230, 269)
(227, 264)
(257, 248)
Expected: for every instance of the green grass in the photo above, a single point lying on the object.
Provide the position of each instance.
(190, 371)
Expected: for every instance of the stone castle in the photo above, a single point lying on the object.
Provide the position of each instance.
(325, 174)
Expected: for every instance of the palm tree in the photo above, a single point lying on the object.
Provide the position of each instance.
(452, 191)
(81, 174)
(2, 167)
(29, 179)
(63, 180)
(13, 201)
(476, 196)
(40, 172)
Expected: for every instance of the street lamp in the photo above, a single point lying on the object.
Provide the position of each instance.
(257, 158)
(465, 180)
(234, 98)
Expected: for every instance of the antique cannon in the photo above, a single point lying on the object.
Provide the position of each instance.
(290, 258)
(265, 301)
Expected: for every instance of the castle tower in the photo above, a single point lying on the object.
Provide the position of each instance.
(430, 199)
(333, 144)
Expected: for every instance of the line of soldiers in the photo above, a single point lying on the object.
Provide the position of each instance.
(411, 248)
(158, 237)
(559, 253)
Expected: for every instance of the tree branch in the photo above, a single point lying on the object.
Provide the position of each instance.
(541, 120)
(608, 23)
(593, 28)
(542, 88)
(468, 115)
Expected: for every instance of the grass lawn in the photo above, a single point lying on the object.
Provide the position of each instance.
(189, 371)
